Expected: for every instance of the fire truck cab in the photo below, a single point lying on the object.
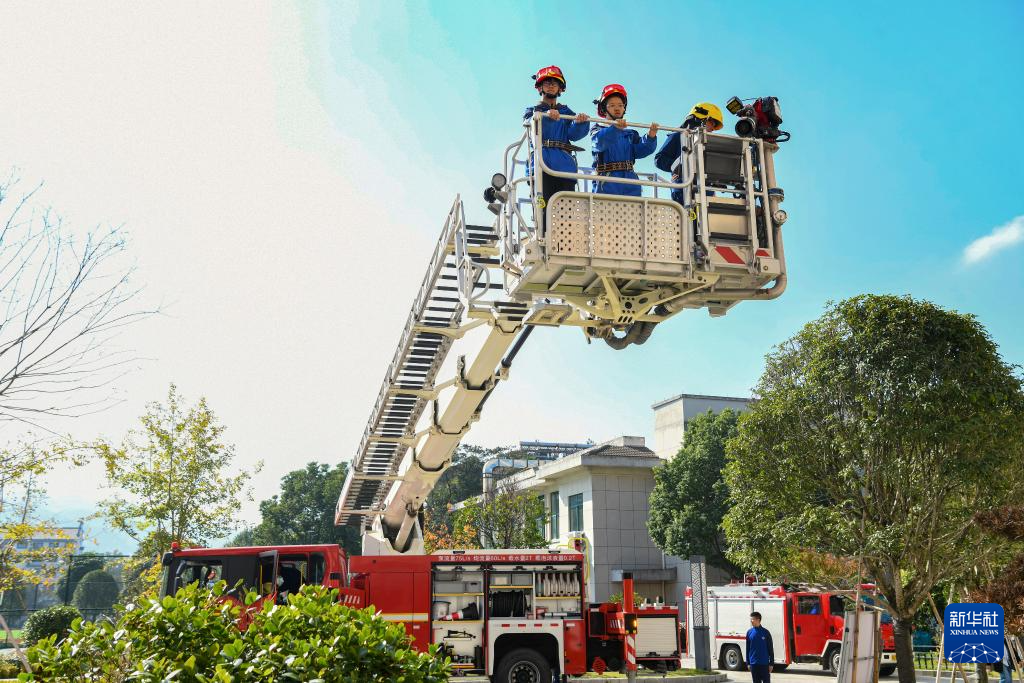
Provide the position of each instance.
(806, 624)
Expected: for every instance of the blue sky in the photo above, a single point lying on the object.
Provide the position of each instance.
(284, 170)
(897, 160)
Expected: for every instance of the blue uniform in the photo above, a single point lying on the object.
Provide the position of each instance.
(667, 156)
(759, 646)
(562, 130)
(611, 145)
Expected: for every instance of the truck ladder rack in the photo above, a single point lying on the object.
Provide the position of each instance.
(457, 274)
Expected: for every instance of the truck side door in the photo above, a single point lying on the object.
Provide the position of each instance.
(404, 597)
(810, 624)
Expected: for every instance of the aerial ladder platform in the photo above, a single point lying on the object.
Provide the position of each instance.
(613, 266)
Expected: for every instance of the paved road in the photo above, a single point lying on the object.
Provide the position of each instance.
(796, 673)
(813, 673)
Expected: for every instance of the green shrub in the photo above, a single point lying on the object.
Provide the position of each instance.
(81, 565)
(173, 637)
(194, 637)
(9, 669)
(52, 621)
(315, 638)
(96, 593)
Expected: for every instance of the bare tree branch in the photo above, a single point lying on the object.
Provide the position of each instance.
(63, 299)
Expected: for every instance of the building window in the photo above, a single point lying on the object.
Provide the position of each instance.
(540, 520)
(555, 532)
(576, 512)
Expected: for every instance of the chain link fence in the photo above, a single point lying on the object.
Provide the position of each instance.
(92, 583)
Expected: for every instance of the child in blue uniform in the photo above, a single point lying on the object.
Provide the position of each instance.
(556, 132)
(667, 159)
(616, 148)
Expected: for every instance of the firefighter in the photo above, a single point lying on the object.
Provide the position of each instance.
(557, 133)
(703, 114)
(615, 147)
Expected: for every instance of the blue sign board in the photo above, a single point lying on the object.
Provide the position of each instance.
(974, 633)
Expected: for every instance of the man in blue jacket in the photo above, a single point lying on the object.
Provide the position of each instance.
(760, 653)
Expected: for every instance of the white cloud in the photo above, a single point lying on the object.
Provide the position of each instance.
(1000, 238)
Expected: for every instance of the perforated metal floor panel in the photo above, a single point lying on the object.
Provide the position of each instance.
(641, 228)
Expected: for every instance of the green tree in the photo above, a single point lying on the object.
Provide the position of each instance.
(96, 593)
(504, 518)
(462, 481)
(24, 564)
(79, 566)
(690, 497)
(176, 478)
(304, 511)
(879, 430)
(140, 578)
(1004, 583)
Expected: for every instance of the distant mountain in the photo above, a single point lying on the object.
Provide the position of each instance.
(99, 538)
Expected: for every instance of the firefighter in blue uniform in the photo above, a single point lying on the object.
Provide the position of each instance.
(615, 147)
(557, 133)
(667, 159)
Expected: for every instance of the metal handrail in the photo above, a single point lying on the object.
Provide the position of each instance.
(511, 160)
(539, 156)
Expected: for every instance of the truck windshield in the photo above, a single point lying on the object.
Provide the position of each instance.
(296, 570)
(208, 570)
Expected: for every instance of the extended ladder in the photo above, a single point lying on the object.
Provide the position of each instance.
(395, 467)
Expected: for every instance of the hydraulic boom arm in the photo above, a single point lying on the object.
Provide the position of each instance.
(604, 263)
(397, 467)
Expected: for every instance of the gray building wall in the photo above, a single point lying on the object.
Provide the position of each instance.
(672, 414)
(621, 541)
(615, 480)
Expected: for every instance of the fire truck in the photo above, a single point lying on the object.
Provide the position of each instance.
(520, 615)
(612, 266)
(806, 624)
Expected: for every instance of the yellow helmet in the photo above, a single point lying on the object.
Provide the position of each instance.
(707, 110)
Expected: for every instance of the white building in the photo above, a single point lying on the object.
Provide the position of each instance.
(602, 494)
(672, 414)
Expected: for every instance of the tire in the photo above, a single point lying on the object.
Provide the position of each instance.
(779, 667)
(731, 659)
(832, 660)
(522, 666)
(886, 669)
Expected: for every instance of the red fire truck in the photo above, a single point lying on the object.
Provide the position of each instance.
(517, 615)
(612, 264)
(806, 624)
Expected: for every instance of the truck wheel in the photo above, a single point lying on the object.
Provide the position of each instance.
(779, 667)
(832, 660)
(731, 659)
(523, 666)
(887, 670)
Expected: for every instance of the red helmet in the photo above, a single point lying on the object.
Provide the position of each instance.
(609, 90)
(546, 73)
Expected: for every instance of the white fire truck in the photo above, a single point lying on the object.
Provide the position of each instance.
(610, 265)
(806, 624)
